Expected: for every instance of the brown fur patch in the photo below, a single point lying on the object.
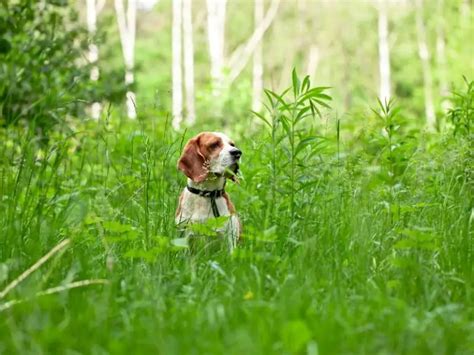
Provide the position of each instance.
(210, 145)
(231, 208)
(197, 153)
(230, 205)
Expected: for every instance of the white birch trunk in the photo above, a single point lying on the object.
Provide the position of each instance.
(257, 80)
(384, 53)
(93, 53)
(177, 66)
(216, 10)
(126, 20)
(424, 54)
(441, 56)
(188, 61)
(313, 62)
(465, 10)
(241, 56)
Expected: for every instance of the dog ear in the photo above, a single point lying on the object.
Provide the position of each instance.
(191, 162)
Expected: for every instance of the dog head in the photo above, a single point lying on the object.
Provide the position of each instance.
(209, 153)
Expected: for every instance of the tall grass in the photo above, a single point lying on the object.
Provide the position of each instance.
(344, 251)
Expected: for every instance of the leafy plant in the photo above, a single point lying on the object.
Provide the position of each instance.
(391, 142)
(43, 77)
(394, 150)
(292, 285)
(294, 144)
(461, 114)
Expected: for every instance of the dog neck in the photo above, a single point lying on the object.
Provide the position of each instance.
(212, 183)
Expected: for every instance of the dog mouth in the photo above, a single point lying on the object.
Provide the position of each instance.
(232, 171)
(234, 168)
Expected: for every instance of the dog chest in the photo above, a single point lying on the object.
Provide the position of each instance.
(198, 208)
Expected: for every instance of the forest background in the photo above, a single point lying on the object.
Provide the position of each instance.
(356, 193)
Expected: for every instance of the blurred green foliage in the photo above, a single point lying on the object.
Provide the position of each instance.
(40, 79)
(44, 77)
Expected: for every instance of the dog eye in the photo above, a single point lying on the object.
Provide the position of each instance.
(232, 144)
(214, 145)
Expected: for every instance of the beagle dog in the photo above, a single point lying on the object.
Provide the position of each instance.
(209, 159)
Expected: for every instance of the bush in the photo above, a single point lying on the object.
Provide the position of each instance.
(43, 77)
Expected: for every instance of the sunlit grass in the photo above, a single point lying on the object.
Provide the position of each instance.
(343, 252)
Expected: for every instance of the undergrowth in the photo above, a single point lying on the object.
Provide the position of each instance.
(364, 251)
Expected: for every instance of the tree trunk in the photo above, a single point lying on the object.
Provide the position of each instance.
(241, 55)
(127, 26)
(216, 10)
(257, 81)
(424, 54)
(441, 56)
(177, 67)
(384, 53)
(93, 53)
(188, 61)
(313, 62)
(465, 11)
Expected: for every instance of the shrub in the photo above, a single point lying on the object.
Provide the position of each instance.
(43, 77)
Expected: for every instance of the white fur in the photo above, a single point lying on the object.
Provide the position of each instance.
(195, 208)
(224, 159)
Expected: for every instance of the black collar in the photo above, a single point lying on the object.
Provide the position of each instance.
(206, 193)
(212, 194)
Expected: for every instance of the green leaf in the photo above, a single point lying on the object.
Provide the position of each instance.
(315, 92)
(92, 218)
(295, 335)
(304, 142)
(295, 82)
(306, 84)
(314, 108)
(262, 118)
(279, 99)
(417, 239)
(285, 92)
(123, 237)
(180, 242)
(301, 113)
(324, 97)
(117, 227)
(285, 124)
(210, 227)
(322, 103)
(377, 114)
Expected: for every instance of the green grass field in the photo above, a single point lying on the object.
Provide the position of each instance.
(353, 242)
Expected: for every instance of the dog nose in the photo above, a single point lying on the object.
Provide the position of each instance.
(236, 153)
